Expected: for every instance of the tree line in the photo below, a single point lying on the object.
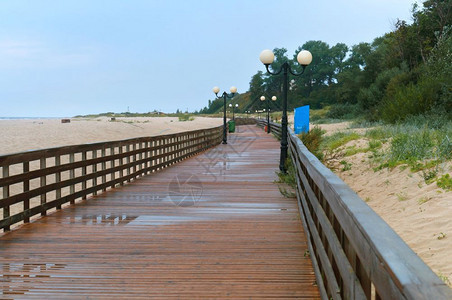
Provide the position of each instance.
(405, 72)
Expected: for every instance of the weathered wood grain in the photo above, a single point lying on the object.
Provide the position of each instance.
(224, 232)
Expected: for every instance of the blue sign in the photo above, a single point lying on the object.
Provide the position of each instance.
(301, 119)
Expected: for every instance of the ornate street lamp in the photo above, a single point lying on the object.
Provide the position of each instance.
(268, 111)
(225, 96)
(304, 58)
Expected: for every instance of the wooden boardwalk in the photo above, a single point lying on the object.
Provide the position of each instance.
(212, 226)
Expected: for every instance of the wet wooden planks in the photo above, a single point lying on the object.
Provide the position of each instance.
(213, 226)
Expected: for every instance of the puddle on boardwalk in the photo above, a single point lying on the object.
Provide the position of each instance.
(241, 205)
(126, 220)
(100, 219)
(231, 211)
(165, 220)
(18, 278)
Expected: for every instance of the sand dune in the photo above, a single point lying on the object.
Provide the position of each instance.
(420, 213)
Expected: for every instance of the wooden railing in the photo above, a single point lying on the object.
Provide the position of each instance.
(275, 128)
(244, 121)
(35, 182)
(356, 255)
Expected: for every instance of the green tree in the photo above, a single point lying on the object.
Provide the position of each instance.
(317, 86)
(351, 77)
(257, 87)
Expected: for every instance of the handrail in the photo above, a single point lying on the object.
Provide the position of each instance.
(36, 181)
(275, 128)
(355, 254)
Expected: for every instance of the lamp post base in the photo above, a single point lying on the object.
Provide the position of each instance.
(283, 158)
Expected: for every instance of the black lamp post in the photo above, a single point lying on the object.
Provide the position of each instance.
(304, 58)
(233, 109)
(268, 111)
(225, 96)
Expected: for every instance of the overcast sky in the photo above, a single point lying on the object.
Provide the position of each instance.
(64, 58)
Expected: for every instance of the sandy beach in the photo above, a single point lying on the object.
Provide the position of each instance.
(30, 134)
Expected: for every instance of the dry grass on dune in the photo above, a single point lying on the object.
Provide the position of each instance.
(413, 205)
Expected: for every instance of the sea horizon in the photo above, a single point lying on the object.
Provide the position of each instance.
(30, 118)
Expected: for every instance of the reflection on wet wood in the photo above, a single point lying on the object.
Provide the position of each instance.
(212, 226)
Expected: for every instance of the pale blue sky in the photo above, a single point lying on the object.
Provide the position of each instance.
(63, 58)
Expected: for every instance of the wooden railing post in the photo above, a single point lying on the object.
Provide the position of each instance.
(178, 154)
(140, 158)
(72, 176)
(84, 154)
(58, 179)
(112, 166)
(6, 211)
(94, 171)
(104, 167)
(43, 183)
(121, 164)
(128, 162)
(134, 159)
(26, 188)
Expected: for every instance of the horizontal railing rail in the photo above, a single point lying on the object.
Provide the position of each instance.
(36, 181)
(355, 254)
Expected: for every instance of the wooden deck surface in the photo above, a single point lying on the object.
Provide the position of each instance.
(213, 226)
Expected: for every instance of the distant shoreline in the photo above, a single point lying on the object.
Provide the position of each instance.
(30, 118)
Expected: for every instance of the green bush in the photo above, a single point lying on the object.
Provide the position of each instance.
(312, 140)
(445, 182)
(343, 111)
(318, 114)
(185, 117)
(369, 99)
(413, 99)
